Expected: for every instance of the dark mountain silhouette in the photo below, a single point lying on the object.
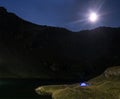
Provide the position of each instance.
(30, 50)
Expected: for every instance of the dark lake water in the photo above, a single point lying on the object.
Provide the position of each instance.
(25, 88)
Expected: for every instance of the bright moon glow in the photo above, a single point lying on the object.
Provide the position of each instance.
(93, 17)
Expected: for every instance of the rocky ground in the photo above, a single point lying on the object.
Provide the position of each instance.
(105, 86)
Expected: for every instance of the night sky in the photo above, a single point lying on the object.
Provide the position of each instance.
(71, 14)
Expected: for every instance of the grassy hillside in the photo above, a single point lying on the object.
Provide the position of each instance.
(105, 86)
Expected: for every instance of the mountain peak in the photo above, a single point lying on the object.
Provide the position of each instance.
(3, 11)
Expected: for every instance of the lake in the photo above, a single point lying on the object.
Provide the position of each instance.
(25, 88)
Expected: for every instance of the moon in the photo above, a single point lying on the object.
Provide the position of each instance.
(93, 17)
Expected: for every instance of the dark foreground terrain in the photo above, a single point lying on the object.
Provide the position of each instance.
(105, 86)
(25, 88)
(20, 89)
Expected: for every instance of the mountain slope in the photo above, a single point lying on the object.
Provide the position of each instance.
(30, 50)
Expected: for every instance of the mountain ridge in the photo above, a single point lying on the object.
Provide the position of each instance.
(30, 50)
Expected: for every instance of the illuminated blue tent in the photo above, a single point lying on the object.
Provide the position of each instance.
(84, 84)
